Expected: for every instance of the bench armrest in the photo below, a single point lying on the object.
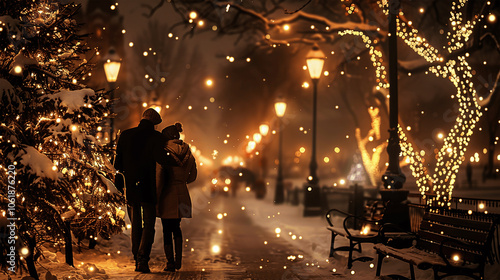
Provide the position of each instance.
(331, 212)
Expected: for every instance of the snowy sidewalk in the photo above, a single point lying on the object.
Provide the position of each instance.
(234, 238)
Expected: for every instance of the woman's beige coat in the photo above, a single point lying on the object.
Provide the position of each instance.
(171, 182)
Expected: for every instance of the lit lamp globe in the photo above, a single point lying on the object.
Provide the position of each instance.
(280, 108)
(264, 129)
(315, 60)
(257, 137)
(112, 66)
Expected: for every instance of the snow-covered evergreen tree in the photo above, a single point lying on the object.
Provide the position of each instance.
(54, 169)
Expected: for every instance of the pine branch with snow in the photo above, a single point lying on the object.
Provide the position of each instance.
(50, 127)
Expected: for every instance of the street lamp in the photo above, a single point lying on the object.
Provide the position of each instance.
(315, 61)
(264, 129)
(279, 195)
(257, 137)
(111, 69)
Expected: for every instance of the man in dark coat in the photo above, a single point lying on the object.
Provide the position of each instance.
(137, 152)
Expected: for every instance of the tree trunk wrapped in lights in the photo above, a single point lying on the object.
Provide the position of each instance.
(55, 170)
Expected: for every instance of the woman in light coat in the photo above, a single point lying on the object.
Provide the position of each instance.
(174, 201)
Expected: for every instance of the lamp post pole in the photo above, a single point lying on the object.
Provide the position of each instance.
(312, 194)
(313, 166)
(111, 69)
(393, 178)
(112, 119)
(396, 212)
(279, 195)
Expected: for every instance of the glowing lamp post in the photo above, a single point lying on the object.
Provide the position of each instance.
(111, 69)
(315, 60)
(279, 195)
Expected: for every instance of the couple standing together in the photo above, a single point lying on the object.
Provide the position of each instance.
(157, 168)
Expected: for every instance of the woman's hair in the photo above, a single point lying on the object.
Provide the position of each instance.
(172, 131)
(178, 126)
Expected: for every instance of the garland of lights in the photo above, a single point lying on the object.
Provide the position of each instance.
(452, 153)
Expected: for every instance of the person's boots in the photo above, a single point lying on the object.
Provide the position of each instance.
(178, 252)
(169, 253)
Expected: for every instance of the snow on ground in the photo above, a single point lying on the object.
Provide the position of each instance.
(113, 259)
(310, 235)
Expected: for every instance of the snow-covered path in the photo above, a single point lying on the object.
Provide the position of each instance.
(247, 251)
(234, 238)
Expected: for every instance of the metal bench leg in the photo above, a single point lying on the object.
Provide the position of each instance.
(412, 272)
(359, 247)
(436, 275)
(380, 258)
(332, 244)
(349, 260)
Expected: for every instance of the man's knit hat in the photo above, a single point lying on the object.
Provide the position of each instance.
(152, 116)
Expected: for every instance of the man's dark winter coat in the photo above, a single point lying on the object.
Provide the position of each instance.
(137, 152)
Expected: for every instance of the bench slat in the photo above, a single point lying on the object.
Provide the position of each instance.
(437, 239)
(461, 222)
(455, 232)
(449, 252)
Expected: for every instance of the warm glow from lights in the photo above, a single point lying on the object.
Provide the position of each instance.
(215, 249)
(456, 258)
(193, 15)
(492, 18)
(315, 60)
(365, 230)
(286, 27)
(302, 150)
(157, 109)
(264, 129)
(257, 137)
(227, 181)
(209, 82)
(25, 251)
(18, 69)
(251, 146)
(280, 108)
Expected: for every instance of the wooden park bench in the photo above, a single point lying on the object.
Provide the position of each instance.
(451, 243)
(357, 229)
